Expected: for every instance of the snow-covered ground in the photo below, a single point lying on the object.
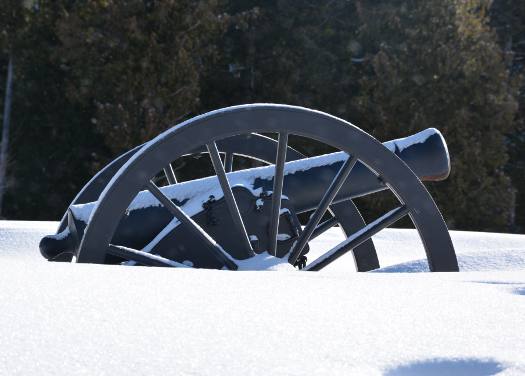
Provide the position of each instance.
(58, 318)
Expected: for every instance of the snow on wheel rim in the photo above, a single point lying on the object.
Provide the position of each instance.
(210, 127)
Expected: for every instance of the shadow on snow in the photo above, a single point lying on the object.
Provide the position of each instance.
(472, 367)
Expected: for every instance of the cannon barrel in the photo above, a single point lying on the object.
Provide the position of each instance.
(425, 153)
(305, 182)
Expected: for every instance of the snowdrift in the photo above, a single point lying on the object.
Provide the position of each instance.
(96, 319)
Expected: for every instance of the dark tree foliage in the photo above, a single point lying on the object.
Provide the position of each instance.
(294, 52)
(99, 77)
(437, 64)
(508, 19)
(93, 79)
(137, 63)
(393, 68)
(52, 141)
(13, 19)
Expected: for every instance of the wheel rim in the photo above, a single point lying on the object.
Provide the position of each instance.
(139, 169)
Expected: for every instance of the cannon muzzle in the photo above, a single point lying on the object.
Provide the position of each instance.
(425, 153)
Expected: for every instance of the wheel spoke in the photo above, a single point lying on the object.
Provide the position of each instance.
(170, 174)
(350, 220)
(277, 191)
(228, 162)
(230, 199)
(192, 226)
(358, 238)
(141, 257)
(327, 199)
(324, 226)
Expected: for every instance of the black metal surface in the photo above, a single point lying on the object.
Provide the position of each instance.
(176, 244)
(170, 174)
(202, 239)
(351, 221)
(138, 227)
(323, 227)
(358, 238)
(239, 228)
(140, 257)
(326, 200)
(254, 146)
(277, 191)
(94, 187)
(228, 162)
(229, 122)
(432, 150)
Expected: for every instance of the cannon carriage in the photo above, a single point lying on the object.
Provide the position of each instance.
(122, 216)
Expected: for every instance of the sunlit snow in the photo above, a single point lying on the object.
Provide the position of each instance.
(61, 318)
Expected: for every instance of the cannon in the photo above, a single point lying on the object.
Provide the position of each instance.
(123, 215)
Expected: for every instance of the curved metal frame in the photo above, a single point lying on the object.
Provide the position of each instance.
(134, 175)
(254, 146)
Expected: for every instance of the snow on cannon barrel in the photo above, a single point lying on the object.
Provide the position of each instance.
(249, 218)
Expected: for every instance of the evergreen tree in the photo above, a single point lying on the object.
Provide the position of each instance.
(138, 63)
(293, 52)
(508, 19)
(95, 78)
(51, 147)
(437, 64)
(12, 21)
